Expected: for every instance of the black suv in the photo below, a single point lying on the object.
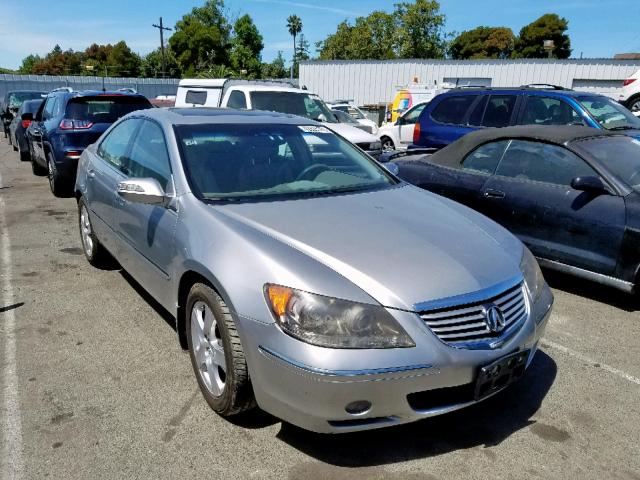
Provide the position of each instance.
(66, 123)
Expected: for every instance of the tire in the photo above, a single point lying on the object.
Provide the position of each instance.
(37, 170)
(24, 156)
(60, 187)
(387, 144)
(216, 353)
(633, 104)
(94, 252)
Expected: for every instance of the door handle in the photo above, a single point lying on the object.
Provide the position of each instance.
(91, 173)
(491, 193)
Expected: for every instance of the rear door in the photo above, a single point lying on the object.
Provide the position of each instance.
(541, 110)
(147, 232)
(447, 121)
(531, 195)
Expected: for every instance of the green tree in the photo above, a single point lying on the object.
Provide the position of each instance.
(420, 29)
(294, 25)
(275, 69)
(201, 39)
(550, 26)
(337, 46)
(58, 62)
(151, 65)
(246, 47)
(28, 63)
(121, 61)
(483, 42)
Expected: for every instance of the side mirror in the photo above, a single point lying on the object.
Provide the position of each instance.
(142, 190)
(27, 116)
(400, 121)
(392, 168)
(589, 184)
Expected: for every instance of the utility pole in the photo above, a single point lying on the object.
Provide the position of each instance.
(162, 28)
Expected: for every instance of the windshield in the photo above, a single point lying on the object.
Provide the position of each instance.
(16, 98)
(301, 104)
(344, 117)
(611, 115)
(244, 162)
(104, 109)
(619, 154)
(353, 111)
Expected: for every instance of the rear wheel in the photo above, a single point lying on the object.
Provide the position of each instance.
(387, 144)
(216, 352)
(24, 156)
(93, 250)
(60, 187)
(36, 168)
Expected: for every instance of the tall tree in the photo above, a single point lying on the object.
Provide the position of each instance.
(420, 29)
(59, 62)
(151, 64)
(121, 61)
(548, 27)
(246, 47)
(201, 39)
(28, 63)
(294, 25)
(483, 42)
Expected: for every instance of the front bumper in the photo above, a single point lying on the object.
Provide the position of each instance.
(311, 386)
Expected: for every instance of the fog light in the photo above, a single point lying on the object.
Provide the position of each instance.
(358, 407)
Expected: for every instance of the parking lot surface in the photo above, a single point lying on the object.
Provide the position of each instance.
(95, 384)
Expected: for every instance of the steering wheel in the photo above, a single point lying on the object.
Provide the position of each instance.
(316, 168)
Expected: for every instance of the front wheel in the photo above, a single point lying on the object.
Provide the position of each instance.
(634, 105)
(387, 144)
(216, 353)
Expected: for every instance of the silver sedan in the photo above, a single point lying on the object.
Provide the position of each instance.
(304, 277)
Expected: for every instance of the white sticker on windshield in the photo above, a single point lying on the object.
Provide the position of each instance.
(313, 129)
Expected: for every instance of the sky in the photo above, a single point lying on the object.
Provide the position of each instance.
(598, 28)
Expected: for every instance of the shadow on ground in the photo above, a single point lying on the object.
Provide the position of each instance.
(485, 424)
(159, 309)
(595, 291)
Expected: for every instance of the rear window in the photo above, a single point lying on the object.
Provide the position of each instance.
(104, 109)
(196, 97)
(452, 110)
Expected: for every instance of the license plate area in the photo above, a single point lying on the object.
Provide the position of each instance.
(499, 374)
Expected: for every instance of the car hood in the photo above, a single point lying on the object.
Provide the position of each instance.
(353, 134)
(401, 245)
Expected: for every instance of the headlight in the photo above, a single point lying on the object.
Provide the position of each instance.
(532, 274)
(335, 323)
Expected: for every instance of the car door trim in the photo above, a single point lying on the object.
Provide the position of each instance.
(623, 285)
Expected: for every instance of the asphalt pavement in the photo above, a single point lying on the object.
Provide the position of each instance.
(95, 385)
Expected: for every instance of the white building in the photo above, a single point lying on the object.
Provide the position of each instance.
(371, 82)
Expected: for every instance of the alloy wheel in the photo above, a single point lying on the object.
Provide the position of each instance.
(208, 348)
(86, 232)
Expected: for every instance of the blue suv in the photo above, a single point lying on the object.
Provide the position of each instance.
(457, 112)
(66, 123)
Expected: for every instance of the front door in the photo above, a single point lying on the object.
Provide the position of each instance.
(531, 195)
(147, 231)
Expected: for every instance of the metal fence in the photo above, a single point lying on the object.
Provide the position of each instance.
(372, 82)
(150, 87)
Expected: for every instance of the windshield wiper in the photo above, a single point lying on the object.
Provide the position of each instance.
(624, 127)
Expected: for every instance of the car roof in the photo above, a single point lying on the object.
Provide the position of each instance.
(453, 153)
(199, 115)
(546, 92)
(97, 93)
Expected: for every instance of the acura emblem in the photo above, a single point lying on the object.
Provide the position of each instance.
(494, 318)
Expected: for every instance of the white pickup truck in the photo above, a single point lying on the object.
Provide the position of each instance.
(270, 96)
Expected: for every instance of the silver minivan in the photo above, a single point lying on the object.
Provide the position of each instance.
(304, 277)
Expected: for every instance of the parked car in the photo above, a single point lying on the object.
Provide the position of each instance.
(399, 134)
(267, 251)
(462, 110)
(412, 95)
(357, 114)
(571, 194)
(66, 123)
(630, 94)
(11, 104)
(343, 117)
(270, 96)
(18, 127)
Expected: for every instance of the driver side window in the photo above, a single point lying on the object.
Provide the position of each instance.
(113, 148)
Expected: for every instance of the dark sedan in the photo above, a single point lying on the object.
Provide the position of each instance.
(19, 125)
(12, 102)
(571, 194)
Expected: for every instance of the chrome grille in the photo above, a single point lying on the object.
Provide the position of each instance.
(465, 323)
